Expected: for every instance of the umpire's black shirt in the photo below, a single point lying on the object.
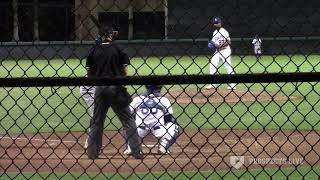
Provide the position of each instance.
(107, 60)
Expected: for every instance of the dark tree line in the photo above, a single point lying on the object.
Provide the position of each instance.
(34, 20)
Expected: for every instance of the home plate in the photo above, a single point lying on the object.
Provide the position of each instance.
(149, 148)
(150, 145)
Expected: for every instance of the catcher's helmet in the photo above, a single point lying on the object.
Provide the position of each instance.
(154, 88)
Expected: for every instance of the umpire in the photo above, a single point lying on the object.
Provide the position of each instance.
(107, 60)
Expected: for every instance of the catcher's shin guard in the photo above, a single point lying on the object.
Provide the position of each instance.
(174, 136)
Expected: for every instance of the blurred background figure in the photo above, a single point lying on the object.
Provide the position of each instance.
(257, 44)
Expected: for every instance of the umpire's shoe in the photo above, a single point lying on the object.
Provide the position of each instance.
(93, 152)
(137, 155)
(93, 149)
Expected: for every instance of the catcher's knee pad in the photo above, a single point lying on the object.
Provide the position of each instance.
(142, 131)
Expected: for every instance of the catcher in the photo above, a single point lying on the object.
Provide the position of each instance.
(153, 113)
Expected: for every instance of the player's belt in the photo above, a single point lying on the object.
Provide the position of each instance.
(156, 127)
(142, 127)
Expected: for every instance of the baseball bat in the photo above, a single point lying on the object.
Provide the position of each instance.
(94, 20)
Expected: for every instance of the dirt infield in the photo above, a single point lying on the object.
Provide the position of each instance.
(195, 150)
(219, 95)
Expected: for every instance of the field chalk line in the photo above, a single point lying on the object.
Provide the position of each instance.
(54, 141)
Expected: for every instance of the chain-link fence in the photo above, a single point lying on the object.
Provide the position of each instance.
(243, 104)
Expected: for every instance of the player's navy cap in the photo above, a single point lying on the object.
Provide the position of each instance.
(216, 20)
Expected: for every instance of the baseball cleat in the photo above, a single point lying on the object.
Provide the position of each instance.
(210, 86)
(163, 150)
(93, 152)
(137, 155)
(127, 151)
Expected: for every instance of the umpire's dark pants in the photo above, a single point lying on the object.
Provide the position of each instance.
(119, 100)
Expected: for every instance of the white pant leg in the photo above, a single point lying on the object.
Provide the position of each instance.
(87, 93)
(226, 56)
(161, 133)
(213, 66)
(171, 128)
(214, 63)
(257, 51)
(142, 132)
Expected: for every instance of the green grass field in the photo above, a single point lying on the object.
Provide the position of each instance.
(261, 174)
(44, 109)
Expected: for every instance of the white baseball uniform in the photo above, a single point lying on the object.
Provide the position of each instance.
(257, 43)
(150, 111)
(220, 38)
(87, 93)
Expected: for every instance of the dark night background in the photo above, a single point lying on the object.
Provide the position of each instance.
(189, 20)
(269, 18)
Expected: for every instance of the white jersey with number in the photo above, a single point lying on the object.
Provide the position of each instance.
(220, 37)
(151, 109)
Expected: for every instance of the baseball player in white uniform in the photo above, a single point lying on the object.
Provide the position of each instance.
(220, 44)
(87, 93)
(257, 44)
(153, 113)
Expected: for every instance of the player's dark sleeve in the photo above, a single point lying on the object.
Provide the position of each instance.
(124, 59)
